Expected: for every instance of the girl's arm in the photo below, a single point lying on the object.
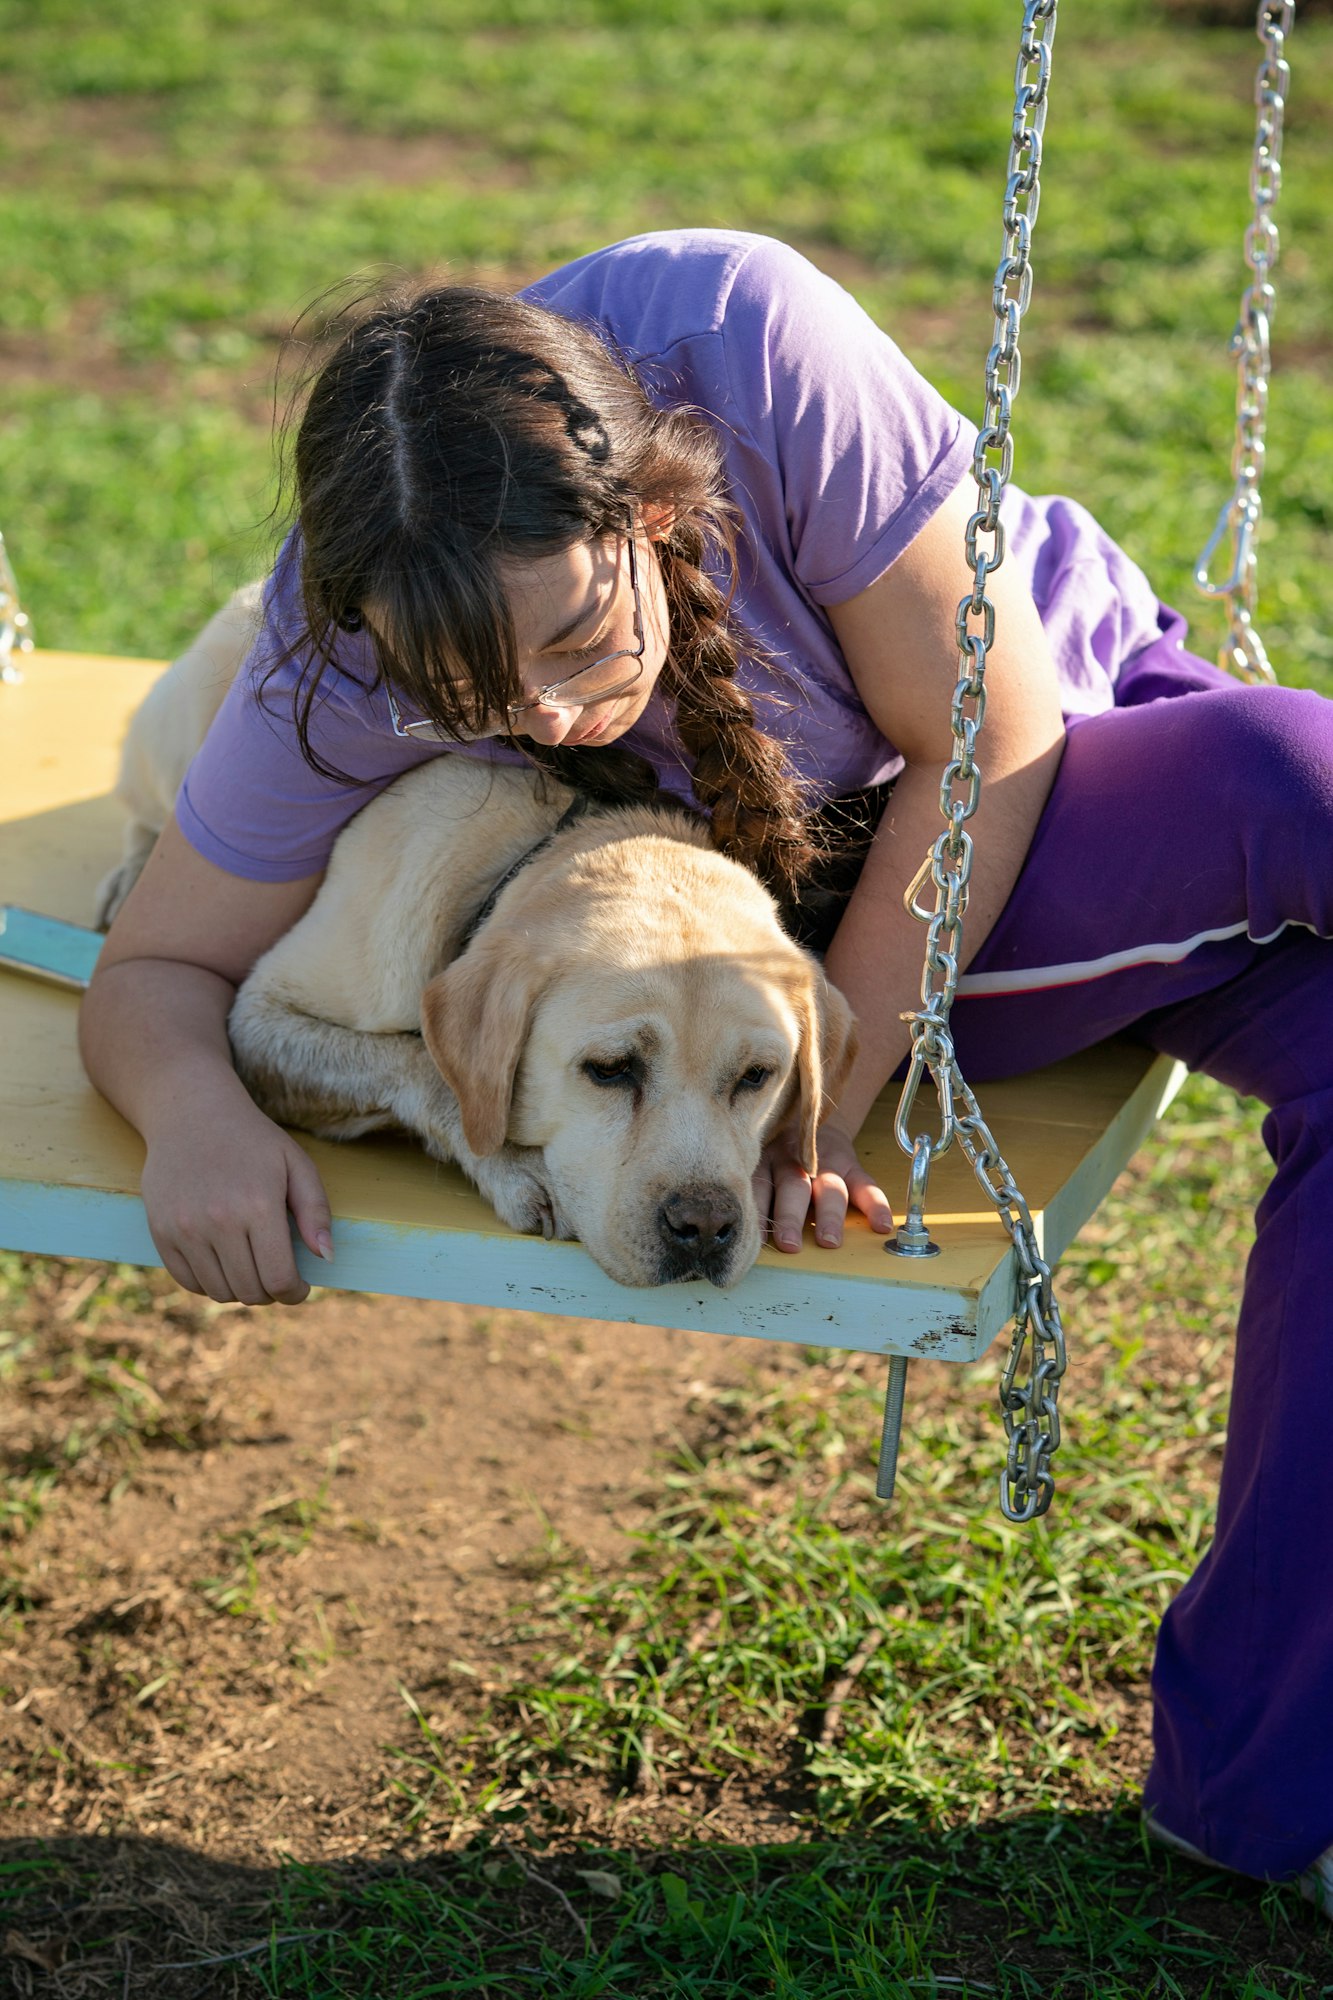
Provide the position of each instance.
(898, 640)
(220, 1177)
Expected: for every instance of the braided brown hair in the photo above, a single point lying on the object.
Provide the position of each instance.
(450, 429)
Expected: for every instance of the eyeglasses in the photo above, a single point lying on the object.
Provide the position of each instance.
(614, 674)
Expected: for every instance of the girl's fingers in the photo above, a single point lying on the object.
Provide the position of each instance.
(830, 1209)
(830, 1195)
(179, 1268)
(309, 1204)
(239, 1270)
(211, 1279)
(871, 1202)
(271, 1239)
(791, 1203)
(274, 1263)
(228, 1270)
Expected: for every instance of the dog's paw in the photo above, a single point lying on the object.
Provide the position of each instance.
(518, 1194)
(111, 893)
(115, 887)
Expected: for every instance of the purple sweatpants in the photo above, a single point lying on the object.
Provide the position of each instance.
(1180, 889)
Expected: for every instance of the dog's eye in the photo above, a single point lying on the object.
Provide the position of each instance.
(619, 1070)
(755, 1077)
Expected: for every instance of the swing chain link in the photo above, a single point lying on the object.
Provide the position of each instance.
(15, 624)
(1243, 652)
(1031, 1419)
(1030, 1409)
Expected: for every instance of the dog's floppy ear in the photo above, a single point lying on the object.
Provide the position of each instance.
(474, 1021)
(827, 1052)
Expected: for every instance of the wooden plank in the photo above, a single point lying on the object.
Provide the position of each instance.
(69, 1166)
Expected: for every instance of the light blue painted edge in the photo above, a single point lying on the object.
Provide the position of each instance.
(812, 1309)
(37, 944)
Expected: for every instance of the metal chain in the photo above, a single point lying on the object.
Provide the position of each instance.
(1030, 1408)
(1030, 1413)
(1243, 651)
(15, 625)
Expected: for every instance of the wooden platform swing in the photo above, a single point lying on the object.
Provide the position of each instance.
(972, 1252)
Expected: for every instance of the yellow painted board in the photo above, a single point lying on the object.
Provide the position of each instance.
(69, 1166)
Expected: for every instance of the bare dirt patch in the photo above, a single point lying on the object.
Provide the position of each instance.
(83, 132)
(311, 1511)
(79, 358)
(338, 155)
(260, 1543)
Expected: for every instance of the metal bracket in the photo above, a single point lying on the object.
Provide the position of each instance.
(913, 1239)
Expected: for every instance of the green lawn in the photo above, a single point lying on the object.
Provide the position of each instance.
(178, 179)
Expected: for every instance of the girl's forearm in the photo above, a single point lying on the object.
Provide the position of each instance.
(878, 950)
(153, 1037)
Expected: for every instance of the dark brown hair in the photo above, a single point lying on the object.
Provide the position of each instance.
(448, 430)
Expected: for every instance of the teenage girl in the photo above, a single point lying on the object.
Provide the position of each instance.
(680, 520)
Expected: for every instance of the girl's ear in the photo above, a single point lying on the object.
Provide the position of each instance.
(658, 520)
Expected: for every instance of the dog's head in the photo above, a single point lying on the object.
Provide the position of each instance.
(645, 1023)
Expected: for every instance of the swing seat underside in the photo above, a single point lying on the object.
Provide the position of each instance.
(403, 1225)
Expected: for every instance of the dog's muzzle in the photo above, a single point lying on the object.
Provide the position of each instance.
(699, 1229)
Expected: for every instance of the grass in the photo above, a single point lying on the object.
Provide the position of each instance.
(854, 1918)
(179, 181)
(956, 1801)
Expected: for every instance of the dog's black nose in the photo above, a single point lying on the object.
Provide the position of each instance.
(699, 1222)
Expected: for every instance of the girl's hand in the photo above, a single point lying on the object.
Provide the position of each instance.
(218, 1187)
(785, 1191)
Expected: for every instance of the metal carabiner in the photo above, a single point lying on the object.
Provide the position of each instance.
(918, 882)
(943, 1081)
(1243, 527)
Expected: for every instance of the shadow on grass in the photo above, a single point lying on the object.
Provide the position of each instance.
(1038, 1905)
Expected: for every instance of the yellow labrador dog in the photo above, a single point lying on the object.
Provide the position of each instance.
(603, 1046)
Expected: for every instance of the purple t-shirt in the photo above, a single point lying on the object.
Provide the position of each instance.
(837, 452)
